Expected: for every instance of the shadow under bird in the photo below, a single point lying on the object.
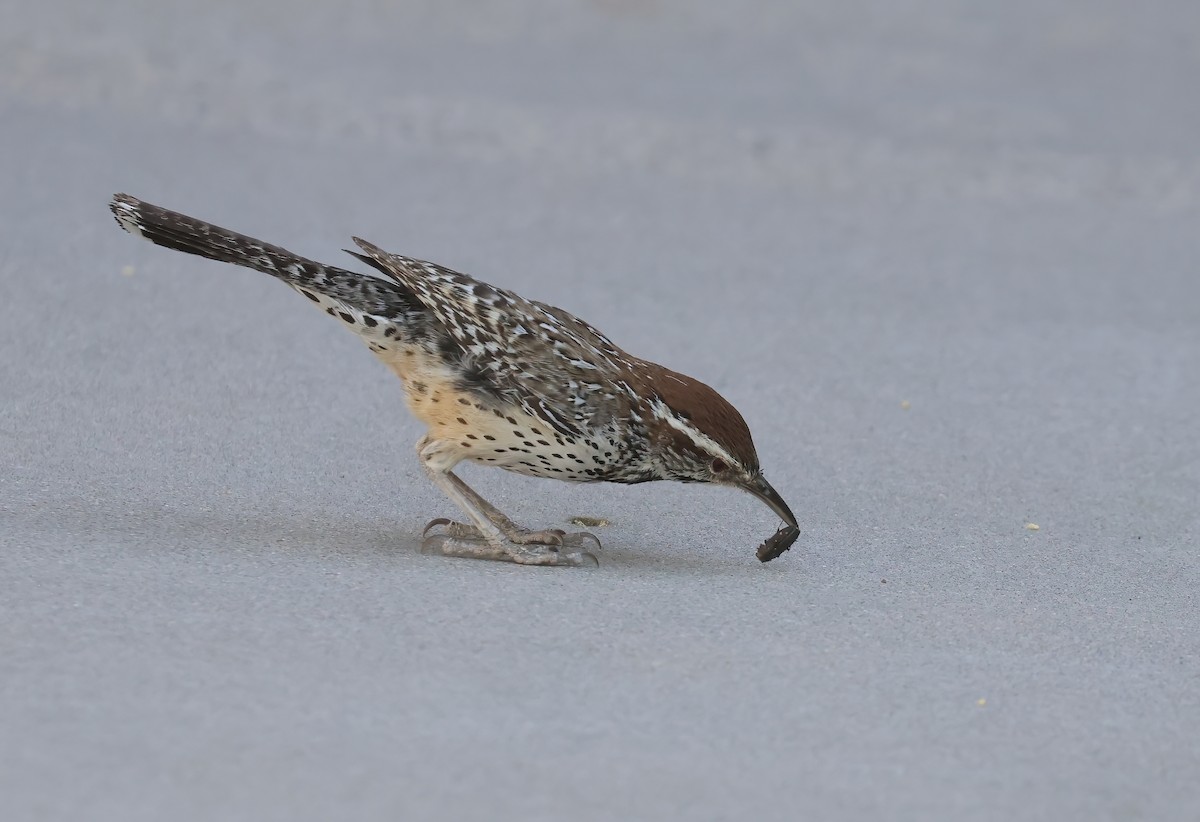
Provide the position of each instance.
(504, 381)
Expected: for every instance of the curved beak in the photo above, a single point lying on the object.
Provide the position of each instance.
(762, 489)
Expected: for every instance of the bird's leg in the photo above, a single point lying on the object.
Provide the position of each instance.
(487, 539)
(514, 532)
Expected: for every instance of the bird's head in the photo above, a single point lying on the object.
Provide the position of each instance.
(702, 438)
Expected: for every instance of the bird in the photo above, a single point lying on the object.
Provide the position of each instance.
(503, 381)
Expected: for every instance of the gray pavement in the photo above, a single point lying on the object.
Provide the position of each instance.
(943, 256)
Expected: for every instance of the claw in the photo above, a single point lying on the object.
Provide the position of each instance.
(458, 530)
(579, 539)
(434, 523)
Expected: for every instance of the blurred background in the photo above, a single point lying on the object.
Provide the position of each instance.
(942, 255)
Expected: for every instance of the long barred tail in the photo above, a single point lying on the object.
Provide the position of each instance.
(360, 300)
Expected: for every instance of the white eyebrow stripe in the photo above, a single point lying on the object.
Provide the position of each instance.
(703, 441)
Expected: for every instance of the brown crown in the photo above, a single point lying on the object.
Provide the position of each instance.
(707, 410)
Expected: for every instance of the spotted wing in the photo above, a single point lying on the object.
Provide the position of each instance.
(544, 359)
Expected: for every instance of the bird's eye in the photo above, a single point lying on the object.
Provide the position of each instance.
(719, 466)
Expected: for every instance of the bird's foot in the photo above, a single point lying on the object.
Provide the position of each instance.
(550, 547)
(520, 536)
(555, 536)
(508, 551)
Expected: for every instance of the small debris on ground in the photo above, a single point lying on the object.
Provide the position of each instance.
(981, 702)
(126, 271)
(1032, 526)
(905, 404)
(589, 522)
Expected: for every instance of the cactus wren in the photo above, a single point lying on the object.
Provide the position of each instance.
(504, 381)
